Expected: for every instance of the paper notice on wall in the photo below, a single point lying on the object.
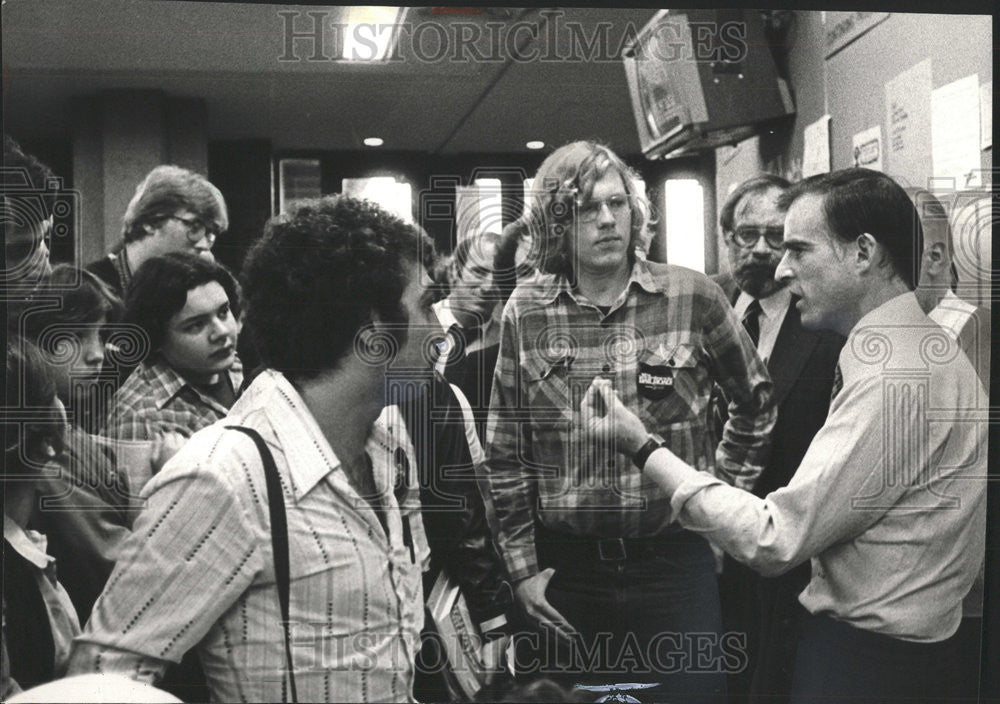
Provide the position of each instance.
(908, 125)
(816, 150)
(867, 148)
(955, 132)
(986, 115)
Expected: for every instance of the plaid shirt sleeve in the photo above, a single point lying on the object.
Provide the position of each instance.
(739, 371)
(512, 491)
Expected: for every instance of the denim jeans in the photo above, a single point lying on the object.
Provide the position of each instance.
(651, 619)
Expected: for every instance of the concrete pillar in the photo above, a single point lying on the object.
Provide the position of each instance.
(187, 133)
(119, 137)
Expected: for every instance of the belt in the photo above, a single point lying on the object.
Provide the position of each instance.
(561, 546)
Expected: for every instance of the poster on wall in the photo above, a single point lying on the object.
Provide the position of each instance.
(955, 132)
(867, 148)
(908, 125)
(816, 148)
(986, 115)
(842, 28)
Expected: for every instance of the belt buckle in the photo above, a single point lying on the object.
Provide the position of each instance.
(611, 549)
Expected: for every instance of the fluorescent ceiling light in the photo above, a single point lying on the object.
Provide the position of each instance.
(535, 144)
(373, 141)
(370, 32)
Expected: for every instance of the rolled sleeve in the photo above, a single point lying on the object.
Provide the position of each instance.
(816, 509)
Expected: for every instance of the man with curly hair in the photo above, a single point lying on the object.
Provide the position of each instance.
(333, 299)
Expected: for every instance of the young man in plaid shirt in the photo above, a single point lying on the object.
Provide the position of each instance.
(590, 544)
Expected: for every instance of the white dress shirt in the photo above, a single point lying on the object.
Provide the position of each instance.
(889, 500)
(772, 315)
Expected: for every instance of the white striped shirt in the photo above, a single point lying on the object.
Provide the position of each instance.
(198, 569)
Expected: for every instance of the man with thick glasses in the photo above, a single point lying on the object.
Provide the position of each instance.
(591, 547)
(801, 364)
(173, 210)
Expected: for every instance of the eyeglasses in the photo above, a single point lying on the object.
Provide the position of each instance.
(196, 229)
(748, 236)
(588, 211)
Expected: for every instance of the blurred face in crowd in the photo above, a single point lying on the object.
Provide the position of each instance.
(26, 254)
(755, 243)
(817, 267)
(603, 227)
(200, 340)
(78, 356)
(473, 294)
(183, 232)
(422, 327)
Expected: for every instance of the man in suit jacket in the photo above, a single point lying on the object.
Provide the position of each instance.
(801, 364)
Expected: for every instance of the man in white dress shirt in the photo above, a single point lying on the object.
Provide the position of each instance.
(889, 502)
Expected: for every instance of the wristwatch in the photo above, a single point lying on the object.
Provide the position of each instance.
(654, 442)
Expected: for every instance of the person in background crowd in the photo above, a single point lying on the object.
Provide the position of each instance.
(72, 329)
(470, 316)
(801, 364)
(173, 210)
(26, 221)
(333, 293)
(591, 545)
(85, 508)
(189, 309)
(889, 504)
(39, 621)
(970, 326)
(454, 514)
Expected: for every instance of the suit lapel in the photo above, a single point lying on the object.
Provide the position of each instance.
(791, 350)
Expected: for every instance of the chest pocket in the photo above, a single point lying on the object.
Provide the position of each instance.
(667, 384)
(547, 392)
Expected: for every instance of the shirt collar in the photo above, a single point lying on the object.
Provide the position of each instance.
(308, 455)
(165, 383)
(442, 309)
(29, 544)
(772, 306)
(875, 330)
(552, 285)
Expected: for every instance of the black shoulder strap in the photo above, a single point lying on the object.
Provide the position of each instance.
(279, 542)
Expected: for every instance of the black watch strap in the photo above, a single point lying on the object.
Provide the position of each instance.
(654, 442)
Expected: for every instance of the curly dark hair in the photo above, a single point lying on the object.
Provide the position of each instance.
(159, 290)
(319, 275)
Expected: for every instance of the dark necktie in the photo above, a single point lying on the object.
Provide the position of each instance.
(751, 321)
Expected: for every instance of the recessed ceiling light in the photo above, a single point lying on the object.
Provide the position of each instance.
(535, 144)
(373, 141)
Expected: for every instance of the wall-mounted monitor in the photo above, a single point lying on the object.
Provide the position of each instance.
(702, 78)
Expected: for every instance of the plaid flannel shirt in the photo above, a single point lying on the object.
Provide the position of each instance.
(665, 341)
(156, 398)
